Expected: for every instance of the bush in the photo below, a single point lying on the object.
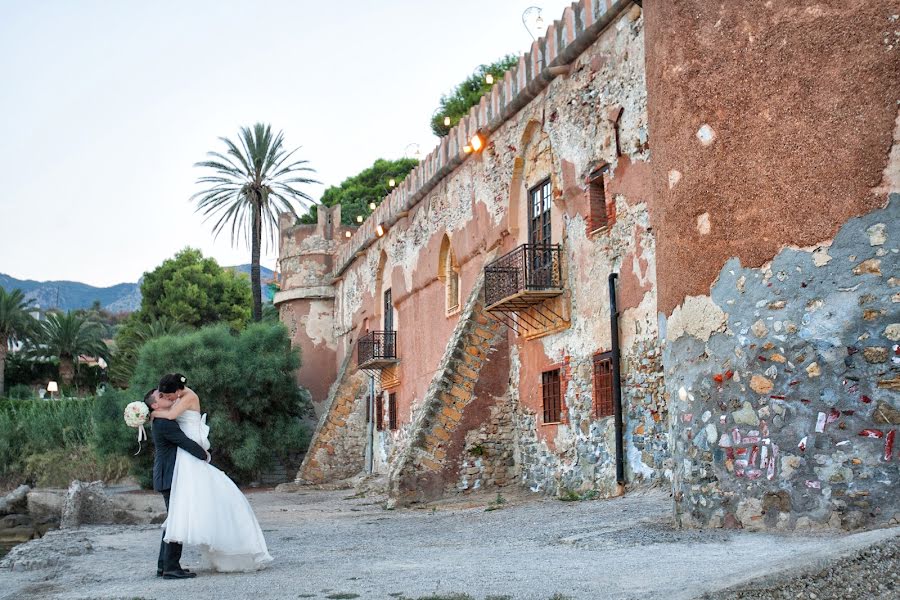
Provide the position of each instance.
(245, 382)
(21, 391)
(59, 467)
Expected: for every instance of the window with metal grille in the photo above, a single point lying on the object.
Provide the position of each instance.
(379, 412)
(597, 199)
(550, 390)
(392, 411)
(603, 385)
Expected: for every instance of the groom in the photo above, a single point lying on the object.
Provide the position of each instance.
(167, 438)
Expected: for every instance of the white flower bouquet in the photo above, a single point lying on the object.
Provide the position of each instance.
(136, 415)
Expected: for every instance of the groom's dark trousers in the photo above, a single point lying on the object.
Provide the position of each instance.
(167, 439)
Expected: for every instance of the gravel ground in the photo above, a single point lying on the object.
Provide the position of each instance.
(873, 573)
(329, 544)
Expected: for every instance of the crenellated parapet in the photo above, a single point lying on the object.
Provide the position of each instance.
(550, 56)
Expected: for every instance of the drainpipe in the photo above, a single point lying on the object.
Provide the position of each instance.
(617, 383)
(370, 428)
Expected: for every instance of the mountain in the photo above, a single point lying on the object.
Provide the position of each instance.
(124, 297)
(69, 295)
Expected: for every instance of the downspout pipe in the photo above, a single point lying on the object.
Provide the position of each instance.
(617, 382)
(370, 428)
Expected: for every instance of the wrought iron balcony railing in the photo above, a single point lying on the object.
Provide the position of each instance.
(528, 274)
(376, 350)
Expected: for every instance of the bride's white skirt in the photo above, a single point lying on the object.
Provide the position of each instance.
(206, 509)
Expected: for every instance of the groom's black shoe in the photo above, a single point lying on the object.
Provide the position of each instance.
(159, 572)
(179, 574)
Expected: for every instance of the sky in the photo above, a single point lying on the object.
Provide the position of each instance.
(105, 106)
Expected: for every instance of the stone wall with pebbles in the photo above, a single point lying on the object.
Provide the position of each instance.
(784, 387)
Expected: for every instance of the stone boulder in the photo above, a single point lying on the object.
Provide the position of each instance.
(91, 504)
(15, 501)
(46, 505)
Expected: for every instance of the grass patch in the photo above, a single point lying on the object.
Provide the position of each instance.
(497, 503)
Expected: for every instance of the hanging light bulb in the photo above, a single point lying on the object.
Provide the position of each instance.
(392, 182)
(359, 218)
(371, 206)
(446, 121)
(489, 79)
(539, 25)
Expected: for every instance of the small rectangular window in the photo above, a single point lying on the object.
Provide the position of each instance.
(392, 411)
(597, 219)
(550, 390)
(603, 385)
(379, 412)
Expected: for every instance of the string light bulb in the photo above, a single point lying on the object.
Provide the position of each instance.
(359, 218)
(489, 79)
(467, 149)
(477, 142)
(371, 206)
(392, 182)
(446, 121)
(347, 234)
(379, 231)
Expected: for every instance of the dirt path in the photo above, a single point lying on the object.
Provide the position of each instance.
(329, 545)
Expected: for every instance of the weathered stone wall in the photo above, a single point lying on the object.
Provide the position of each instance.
(306, 300)
(592, 114)
(786, 403)
(777, 256)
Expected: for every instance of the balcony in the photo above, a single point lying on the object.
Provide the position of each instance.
(518, 286)
(377, 350)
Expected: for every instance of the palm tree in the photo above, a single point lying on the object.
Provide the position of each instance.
(251, 184)
(15, 324)
(132, 339)
(67, 336)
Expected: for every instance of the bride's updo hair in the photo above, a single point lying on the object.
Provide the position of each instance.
(171, 383)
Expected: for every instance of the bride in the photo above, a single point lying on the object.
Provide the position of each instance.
(206, 508)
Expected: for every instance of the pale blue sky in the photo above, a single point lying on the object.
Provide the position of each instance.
(106, 105)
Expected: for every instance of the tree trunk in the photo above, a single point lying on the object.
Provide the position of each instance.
(254, 263)
(4, 348)
(66, 370)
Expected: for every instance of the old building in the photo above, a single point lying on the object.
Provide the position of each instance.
(683, 210)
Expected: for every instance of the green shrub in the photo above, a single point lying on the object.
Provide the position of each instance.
(21, 391)
(245, 382)
(59, 467)
(113, 439)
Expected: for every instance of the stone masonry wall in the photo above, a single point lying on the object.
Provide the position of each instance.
(786, 387)
(338, 446)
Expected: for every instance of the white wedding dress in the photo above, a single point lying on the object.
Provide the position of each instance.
(207, 509)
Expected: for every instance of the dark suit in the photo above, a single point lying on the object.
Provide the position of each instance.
(167, 439)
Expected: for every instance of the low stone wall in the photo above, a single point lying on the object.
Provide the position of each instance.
(786, 387)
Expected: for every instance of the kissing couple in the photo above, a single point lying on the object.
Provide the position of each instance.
(205, 508)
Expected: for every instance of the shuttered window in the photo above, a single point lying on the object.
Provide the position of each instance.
(379, 412)
(603, 385)
(392, 411)
(550, 390)
(597, 219)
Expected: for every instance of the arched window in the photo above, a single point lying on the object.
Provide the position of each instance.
(448, 272)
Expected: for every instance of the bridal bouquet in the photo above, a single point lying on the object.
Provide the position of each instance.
(136, 415)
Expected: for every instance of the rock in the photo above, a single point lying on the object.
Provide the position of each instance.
(875, 354)
(759, 329)
(877, 234)
(760, 384)
(813, 370)
(746, 416)
(868, 267)
(46, 504)
(90, 504)
(892, 332)
(14, 501)
(886, 414)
